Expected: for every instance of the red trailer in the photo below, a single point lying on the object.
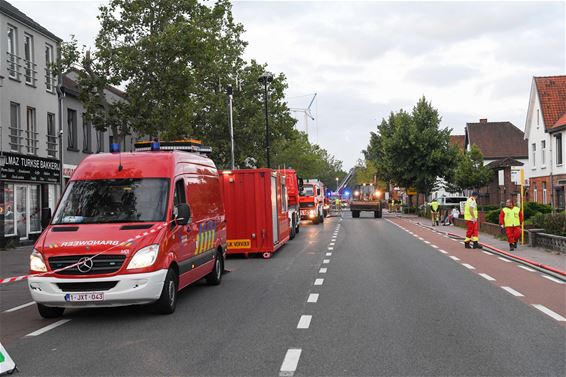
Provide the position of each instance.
(255, 202)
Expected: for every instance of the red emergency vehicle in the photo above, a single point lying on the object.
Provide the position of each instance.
(256, 211)
(293, 187)
(134, 228)
(312, 201)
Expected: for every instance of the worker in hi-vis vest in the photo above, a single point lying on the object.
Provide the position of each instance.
(434, 212)
(472, 223)
(511, 219)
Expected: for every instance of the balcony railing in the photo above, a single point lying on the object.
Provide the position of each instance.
(52, 145)
(31, 141)
(50, 80)
(14, 66)
(30, 72)
(15, 139)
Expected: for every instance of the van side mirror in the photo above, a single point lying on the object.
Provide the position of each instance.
(183, 214)
(301, 185)
(45, 217)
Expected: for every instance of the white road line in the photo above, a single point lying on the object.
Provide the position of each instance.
(19, 307)
(322, 270)
(304, 322)
(330, 248)
(420, 238)
(326, 261)
(525, 268)
(513, 292)
(468, 266)
(486, 253)
(443, 251)
(504, 260)
(313, 297)
(550, 313)
(328, 254)
(552, 279)
(290, 362)
(47, 328)
(427, 242)
(318, 281)
(436, 247)
(486, 276)
(455, 258)
(332, 243)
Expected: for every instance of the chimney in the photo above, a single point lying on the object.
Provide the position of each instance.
(483, 121)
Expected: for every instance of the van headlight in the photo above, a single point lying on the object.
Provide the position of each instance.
(144, 257)
(36, 263)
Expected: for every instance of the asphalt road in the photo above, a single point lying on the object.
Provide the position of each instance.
(376, 300)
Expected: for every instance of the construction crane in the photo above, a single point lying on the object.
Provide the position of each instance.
(307, 112)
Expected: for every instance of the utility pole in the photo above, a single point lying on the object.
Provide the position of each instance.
(229, 92)
(266, 78)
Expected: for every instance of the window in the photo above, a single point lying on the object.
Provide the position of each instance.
(559, 149)
(538, 117)
(28, 60)
(544, 193)
(49, 77)
(99, 141)
(13, 66)
(543, 152)
(31, 131)
(86, 136)
(72, 129)
(51, 136)
(15, 131)
(535, 193)
(534, 146)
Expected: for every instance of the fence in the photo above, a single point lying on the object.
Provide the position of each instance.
(548, 241)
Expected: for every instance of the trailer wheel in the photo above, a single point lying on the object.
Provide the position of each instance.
(355, 214)
(267, 255)
(167, 302)
(377, 214)
(215, 276)
(49, 312)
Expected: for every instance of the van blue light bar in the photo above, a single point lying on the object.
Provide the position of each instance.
(193, 146)
(114, 148)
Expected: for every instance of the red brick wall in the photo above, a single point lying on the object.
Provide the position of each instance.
(537, 182)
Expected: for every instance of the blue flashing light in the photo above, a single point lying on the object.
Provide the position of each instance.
(155, 146)
(347, 193)
(114, 148)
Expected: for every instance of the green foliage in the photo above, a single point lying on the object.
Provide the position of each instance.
(493, 216)
(470, 172)
(553, 223)
(531, 209)
(410, 150)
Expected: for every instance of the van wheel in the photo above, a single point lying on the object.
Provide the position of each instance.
(355, 214)
(377, 214)
(292, 234)
(215, 277)
(49, 312)
(298, 228)
(167, 302)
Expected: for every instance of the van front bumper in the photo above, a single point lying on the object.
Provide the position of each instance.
(129, 289)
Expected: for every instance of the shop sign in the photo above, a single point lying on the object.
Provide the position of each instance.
(20, 167)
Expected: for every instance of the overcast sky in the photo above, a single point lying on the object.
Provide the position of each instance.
(365, 59)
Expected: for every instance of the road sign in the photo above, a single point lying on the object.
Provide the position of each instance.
(7, 365)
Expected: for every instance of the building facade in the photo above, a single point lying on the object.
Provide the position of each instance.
(545, 130)
(30, 167)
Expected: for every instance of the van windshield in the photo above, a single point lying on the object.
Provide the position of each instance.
(308, 191)
(113, 201)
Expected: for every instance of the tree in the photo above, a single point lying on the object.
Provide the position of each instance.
(470, 173)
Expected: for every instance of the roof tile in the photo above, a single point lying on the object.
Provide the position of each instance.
(498, 140)
(552, 96)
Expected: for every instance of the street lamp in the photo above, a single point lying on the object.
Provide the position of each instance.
(264, 79)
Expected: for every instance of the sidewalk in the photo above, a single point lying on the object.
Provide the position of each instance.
(536, 254)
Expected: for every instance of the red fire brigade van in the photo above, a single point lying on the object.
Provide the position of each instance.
(131, 228)
(292, 186)
(256, 211)
(312, 201)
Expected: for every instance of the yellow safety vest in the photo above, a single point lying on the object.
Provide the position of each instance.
(511, 216)
(434, 206)
(467, 210)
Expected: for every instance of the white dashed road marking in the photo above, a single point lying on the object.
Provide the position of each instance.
(332, 244)
(443, 251)
(47, 328)
(486, 276)
(468, 266)
(453, 257)
(322, 270)
(328, 254)
(436, 247)
(513, 292)
(550, 313)
(313, 297)
(290, 362)
(526, 268)
(19, 307)
(330, 248)
(504, 260)
(304, 322)
(318, 281)
(552, 279)
(427, 242)
(326, 261)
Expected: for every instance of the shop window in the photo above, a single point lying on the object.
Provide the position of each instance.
(34, 209)
(9, 217)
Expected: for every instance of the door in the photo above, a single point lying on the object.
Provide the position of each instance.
(21, 211)
(274, 212)
(182, 232)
